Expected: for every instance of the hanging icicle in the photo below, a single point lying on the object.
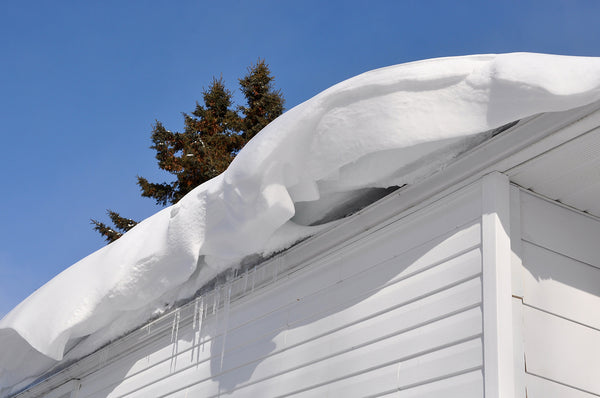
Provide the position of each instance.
(175, 326)
(245, 282)
(201, 315)
(226, 306)
(217, 294)
(276, 268)
(175, 339)
(195, 314)
(253, 279)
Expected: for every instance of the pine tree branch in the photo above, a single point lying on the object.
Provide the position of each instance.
(162, 193)
(108, 233)
(121, 223)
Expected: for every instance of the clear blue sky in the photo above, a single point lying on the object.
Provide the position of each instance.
(82, 82)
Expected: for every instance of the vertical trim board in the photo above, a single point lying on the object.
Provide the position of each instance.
(497, 306)
(517, 289)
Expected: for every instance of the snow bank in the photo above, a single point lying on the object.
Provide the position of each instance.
(391, 126)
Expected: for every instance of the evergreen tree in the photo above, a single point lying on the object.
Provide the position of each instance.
(213, 134)
(264, 103)
(121, 224)
(202, 151)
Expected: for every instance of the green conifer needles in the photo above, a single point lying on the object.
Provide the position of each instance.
(213, 134)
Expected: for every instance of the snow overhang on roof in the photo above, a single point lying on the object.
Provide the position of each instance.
(405, 124)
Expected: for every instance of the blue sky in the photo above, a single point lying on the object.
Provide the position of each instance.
(81, 84)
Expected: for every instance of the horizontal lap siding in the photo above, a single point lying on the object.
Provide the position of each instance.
(561, 296)
(540, 387)
(398, 310)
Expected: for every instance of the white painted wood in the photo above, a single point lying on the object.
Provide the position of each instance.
(467, 385)
(560, 229)
(561, 285)
(586, 197)
(568, 173)
(463, 385)
(350, 291)
(517, 292)
(518, 349)
(542, 388)
(402, 347)
(431, 366)
(377, 381)
(542, 133)
(562, 350)
(497, 306)
(561, 280)
(515, 242)
(555, 166)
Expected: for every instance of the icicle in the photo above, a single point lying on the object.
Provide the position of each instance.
(201, 315)
(245, 281)
(276, 269)
(253, 278)
(226, 306)
(178, 317)
(148, 332)
(260, 275)
(175, 325)
(216, 300)
(175, 339)
(173, 329)
(195, 313)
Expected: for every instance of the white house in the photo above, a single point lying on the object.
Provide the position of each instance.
(479, 280)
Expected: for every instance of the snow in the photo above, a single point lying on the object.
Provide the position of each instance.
(387, 127)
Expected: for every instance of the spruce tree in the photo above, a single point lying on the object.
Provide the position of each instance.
(264, 103)
(213, 134)
(202, 151)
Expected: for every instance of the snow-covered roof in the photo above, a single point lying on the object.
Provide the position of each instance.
(388, 127)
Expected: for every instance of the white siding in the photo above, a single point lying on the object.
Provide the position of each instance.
(560, 289)
(398, 311)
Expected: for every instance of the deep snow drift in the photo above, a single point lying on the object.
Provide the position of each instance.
(387, 127)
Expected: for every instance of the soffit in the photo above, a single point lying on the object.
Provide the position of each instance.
(568, 173)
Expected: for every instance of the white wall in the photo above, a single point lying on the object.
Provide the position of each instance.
(558, 280)
(396, 312)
